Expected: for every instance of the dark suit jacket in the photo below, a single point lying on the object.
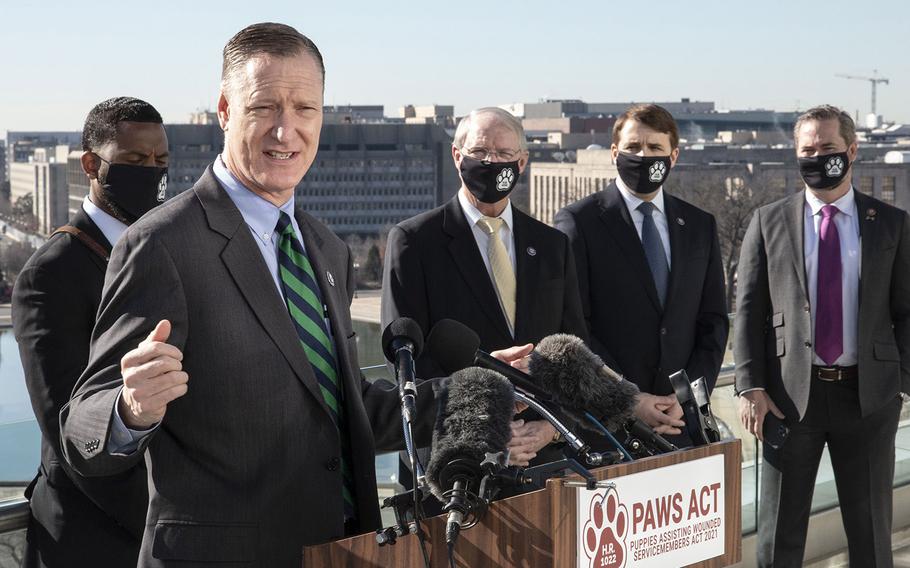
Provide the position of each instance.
(244, 469)
(773, 337)
(54, 304)
(434, 270)
(628, 327)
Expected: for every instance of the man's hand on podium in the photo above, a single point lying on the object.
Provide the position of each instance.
(528, 438)
(662, 413)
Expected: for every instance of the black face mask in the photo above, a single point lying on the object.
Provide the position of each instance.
(489, 182)
(643, 174)
(133, 191)
(824, 172)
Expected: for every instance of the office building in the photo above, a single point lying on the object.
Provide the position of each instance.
(367, 177)
(43, 179)
(21, 145)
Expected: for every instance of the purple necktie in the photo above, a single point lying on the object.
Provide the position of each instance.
(829, 314)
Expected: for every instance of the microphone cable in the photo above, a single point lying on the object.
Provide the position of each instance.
(416, 494)
(609, 436)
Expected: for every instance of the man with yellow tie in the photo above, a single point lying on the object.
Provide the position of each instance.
(481, 261)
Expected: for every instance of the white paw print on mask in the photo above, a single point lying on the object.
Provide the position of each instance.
(834, 166)
(504, 180)
(657, 171)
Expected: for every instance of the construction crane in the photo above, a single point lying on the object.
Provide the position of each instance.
(874, 80)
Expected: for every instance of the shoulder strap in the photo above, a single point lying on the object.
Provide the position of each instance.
(88, 241)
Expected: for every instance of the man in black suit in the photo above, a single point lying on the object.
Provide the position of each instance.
(54, 305)
(244, 393)
(482, 262)
(649, 271)
(823, 342)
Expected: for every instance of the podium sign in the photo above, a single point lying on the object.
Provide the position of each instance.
(670, 516)
(678, 509)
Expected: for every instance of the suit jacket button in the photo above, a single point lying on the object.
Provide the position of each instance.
(663, 331)
(808, 344)
(332, 464)
(806, 309)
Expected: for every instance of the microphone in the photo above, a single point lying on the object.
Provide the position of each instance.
(473, 420)
(646, 435)
(580, 382)
(455, 346)
(402, 341)
(695, 402)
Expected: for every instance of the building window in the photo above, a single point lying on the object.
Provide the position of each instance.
(865, 184)
(888, 189)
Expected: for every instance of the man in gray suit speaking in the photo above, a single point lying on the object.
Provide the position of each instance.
(244, 392)
(822, 341)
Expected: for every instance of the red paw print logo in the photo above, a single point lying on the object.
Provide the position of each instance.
(605, 532)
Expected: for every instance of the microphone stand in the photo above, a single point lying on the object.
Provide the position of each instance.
(537, 475)
(407, 502)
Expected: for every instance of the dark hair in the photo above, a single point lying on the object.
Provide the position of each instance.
(828, 112)
(266, 38)
(652, 116)
(101, 122)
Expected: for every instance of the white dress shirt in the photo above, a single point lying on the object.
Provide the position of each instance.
(111, 228)
(473, 215)
(847, 223)
(659, 214)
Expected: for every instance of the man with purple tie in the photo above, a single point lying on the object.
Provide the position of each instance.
(822, 341)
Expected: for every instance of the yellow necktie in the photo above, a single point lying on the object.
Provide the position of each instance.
(501, 265)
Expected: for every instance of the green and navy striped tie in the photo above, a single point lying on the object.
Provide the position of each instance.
(304, 301)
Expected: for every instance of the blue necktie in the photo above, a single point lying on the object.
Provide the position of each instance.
(654, 251)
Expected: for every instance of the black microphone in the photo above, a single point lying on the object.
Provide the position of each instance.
(455, 346)
(647, 436)
(700, 423)
(473, 420)
(402, 341)
(580, 382)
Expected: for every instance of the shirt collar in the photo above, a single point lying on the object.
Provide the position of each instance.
(473, 214)
(846, 204)
(259, 214)
(633, 201)
(111, 228)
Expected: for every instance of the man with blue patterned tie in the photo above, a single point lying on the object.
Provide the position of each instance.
(244, 393)
(649, 271)
(822, 341)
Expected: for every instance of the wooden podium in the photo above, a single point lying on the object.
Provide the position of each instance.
(537, 529)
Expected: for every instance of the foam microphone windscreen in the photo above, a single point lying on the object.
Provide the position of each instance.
(474, 419)
(402, 328)
(579, 381)
(453, 345)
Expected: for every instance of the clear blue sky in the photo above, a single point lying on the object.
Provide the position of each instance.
(60, 58)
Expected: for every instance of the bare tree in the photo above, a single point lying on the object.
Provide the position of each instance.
(13, 256)
(732, 196)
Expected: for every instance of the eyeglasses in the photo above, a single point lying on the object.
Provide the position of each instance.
(485, 154)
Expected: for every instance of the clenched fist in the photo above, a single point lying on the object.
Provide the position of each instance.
(153, 376)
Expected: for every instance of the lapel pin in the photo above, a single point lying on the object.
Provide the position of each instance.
(870, 214)
(532, 251)
(680, 221)
(330, 278)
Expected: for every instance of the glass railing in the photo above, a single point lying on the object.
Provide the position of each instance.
(20, 437)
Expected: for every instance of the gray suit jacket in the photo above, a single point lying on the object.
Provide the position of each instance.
(244, 469)
(773, 329)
